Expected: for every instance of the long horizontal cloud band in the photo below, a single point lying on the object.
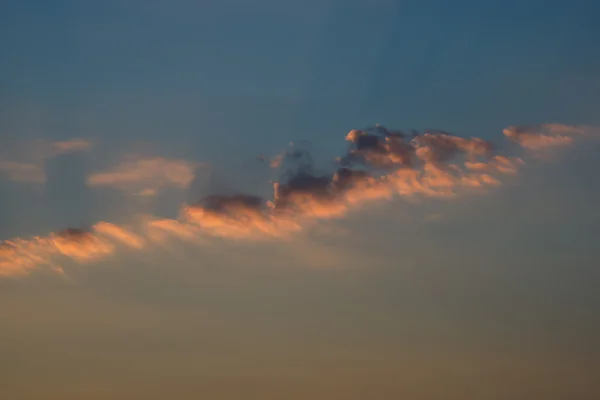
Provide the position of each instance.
(381, 164)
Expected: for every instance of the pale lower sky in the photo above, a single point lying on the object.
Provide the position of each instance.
(493, 297)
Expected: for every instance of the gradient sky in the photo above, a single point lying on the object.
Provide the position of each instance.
(492, 296)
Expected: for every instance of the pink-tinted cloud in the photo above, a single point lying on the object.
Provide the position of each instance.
(434, 148)
(547, 136)
(71, 146)
(19, 256)
(120, 234)
(145, 176)
(505, 165)
(162, 230)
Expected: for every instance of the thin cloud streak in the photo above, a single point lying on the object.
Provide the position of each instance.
(32, 170)
(145, 176)
(70, 146)
(547, 136)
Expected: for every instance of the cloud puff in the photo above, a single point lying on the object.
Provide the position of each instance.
(379, 148)
(276, 161)
(437, 165)
(145, 176)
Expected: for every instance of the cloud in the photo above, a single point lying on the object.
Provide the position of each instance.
(145, 176)
(22, 172)
(70, 146)
(19, 256)
(162, 230)
(547, 136)
(435, 164)
(440, 147)
(379, 148)
(120, 234)
(503, 164)
(276, 161)
(31, 169)
(80, 245)
(294, 156)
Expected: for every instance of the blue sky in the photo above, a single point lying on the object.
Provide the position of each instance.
(222, 82)
(487, 296)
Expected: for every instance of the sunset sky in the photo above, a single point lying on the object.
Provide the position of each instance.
(196, 200)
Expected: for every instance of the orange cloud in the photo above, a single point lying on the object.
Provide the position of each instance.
(505, 165)
(434, 164)
(545, 136)
(20, 256)
(120, 234)
(441, 147)
(80, 245)
(161, 230)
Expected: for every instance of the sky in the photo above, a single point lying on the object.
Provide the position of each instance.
(302, 200)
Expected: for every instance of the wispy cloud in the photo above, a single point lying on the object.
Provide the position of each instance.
(19, 256)
(145, 176)
(30, 169)
(70, 146)
(547, 136)
(276, 161)
(381, 165)
(22, 172)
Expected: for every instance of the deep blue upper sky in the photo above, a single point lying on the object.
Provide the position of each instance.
(224, 81)
(280, 69)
